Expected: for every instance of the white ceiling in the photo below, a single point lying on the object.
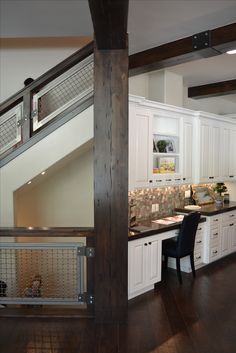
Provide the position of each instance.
(151, 23)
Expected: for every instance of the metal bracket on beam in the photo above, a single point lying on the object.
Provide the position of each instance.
(86, 251)
(86, 298)
(22, 121)
(201, 40)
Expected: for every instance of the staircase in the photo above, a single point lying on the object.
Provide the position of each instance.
(44, 123)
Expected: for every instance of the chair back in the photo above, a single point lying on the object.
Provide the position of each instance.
(188, 230)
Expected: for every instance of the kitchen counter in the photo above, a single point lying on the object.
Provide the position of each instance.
(211, 209)
(147, 228)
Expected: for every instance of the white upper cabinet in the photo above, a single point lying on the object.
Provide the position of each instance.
(210, 141)
(165, 154)
(187, 149)
(170, 145)
(232, 153)
(139, 146)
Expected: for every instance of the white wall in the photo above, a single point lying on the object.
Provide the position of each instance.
(139, 85)
(39, 157)
(166, 87)
(62, 199)
(18, 64)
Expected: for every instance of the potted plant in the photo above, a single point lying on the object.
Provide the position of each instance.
(161, 145)
(220, 188)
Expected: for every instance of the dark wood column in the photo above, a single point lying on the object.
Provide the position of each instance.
(111, 159)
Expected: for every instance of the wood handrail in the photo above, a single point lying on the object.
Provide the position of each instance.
(87, 232)
(48, 76)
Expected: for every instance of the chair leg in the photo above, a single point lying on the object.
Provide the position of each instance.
(178, 270)
(192, 264)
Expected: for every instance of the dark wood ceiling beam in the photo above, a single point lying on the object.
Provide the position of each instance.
(180, 51)
(212, 89)
(110, 19)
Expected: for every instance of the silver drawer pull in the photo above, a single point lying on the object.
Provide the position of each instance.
(231, 224)
(199, 228)
(215, 252)
(199, 242)
(215, 220)
(215, 233)
(198, 257)
(232, 215)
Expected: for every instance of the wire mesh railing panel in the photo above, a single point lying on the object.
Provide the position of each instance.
(72, 86)
(10, 128)
(40, 273)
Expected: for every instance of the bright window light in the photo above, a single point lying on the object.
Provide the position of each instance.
(231, 51)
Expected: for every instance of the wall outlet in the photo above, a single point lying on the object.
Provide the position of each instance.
(187, 194)
(155, 207)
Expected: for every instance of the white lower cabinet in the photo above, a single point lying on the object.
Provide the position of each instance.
(144, 265)
(220, 237)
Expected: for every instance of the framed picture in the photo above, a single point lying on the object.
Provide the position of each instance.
(164, 144)
(202, 195)
(166, 165)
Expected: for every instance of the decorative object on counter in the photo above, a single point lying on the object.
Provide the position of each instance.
(202, 195)
(226, 198)
(219, 189)
(192, 207)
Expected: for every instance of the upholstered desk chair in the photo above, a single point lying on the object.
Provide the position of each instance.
(183, 245)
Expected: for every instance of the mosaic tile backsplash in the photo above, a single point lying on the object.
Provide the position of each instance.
(167, 198)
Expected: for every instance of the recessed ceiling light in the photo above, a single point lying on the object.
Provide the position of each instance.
(233, 51)
(29, 182)
(44, 172)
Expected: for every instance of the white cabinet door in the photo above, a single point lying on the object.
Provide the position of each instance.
(144, 264)
(232, 156)
(233, 236)
(225, 149)
(205, 134)
(187, 150)
(139, 147)
(136, 265)
(225, 239)
(153, 269)
(210, 139)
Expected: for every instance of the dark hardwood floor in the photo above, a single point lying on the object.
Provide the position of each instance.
(197, 317)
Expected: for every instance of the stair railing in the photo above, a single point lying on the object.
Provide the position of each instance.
(47, 99)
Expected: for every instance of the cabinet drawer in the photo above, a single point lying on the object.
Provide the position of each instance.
(214, 253)
(215, 220)
(229, 216)
(198, 257)
(200, 229)
(214, 235)
(198, 241)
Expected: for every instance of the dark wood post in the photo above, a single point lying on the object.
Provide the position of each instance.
(111, 159)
